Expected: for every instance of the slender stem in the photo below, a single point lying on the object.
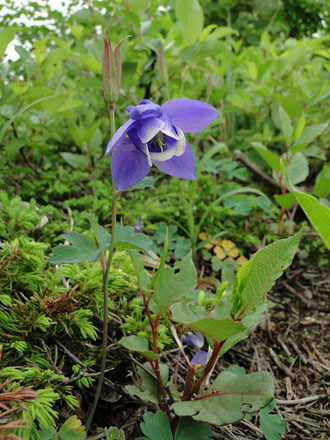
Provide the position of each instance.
(105, 289)
(189, 381)
(195, 388)
(155, 364)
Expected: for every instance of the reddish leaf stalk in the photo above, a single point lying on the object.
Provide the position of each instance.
(155, 364)
(209, 366)
(189, 381)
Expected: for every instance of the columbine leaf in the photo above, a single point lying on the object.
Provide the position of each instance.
(141, 273)
(72, 429)
(255, 278)
(173, 285)
(134, 343)
(156, 426)
(188, 428)
(162, 260)
(272, 425)
(231, 398)
(196, 318)
(113, 433)
(82, 248)
(149, 389)
(48, 434)
(128, 239)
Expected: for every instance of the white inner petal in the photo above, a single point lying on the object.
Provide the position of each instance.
(177, 149)
(148, 156)
(180, 145)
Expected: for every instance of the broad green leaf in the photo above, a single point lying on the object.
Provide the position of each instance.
(188, 428)
(255, 278)
(272, 424)
(231, 398)
(190, 14)
(76, 160)
(299, 127)
(91, 62)
(141, 273)
(272, 159)
(156, 426)
(236, 369)
(72, 429)
(206, 32)
(149, 389)
(128, 239)
(223, 31)
(138, 344)
(82, 248)
(297, 169)
(134, 343)
(48, 434)
(231, 341)
(310, 133)
(173, 285)
(252, 68)
(317, 213)
(6, 35)
(322, 183)
(285, 200)
(196, 318)
(282, 121)
(162, 260)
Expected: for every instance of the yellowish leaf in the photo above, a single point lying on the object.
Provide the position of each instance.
(230, 248)
(241, 260)
(219, 252)
(203, 237)
(217, 241)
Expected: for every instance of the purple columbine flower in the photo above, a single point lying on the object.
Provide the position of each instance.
(155, 135)
(200, 357)
(196, 340)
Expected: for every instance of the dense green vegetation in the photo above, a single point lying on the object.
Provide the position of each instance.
(263, 65)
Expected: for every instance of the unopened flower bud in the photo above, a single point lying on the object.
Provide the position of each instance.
(111, 70)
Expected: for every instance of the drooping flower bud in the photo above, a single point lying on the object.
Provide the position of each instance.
(111, 70)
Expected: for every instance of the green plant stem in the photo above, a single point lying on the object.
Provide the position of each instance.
(187, 205)
(105, 289)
